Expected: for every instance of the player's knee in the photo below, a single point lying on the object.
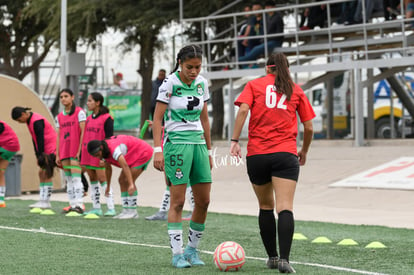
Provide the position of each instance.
(177, 206)
(203, 204)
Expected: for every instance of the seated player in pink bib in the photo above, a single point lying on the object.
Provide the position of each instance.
(132, 155)
(9, 146)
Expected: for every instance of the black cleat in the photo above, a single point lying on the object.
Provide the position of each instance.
(272, 262)
(284, 266)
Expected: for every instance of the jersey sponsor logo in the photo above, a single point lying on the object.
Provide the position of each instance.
(179, 173)
(200, 90)
(93, 129)
(67, 124)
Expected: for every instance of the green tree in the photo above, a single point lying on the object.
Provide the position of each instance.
(20, 35)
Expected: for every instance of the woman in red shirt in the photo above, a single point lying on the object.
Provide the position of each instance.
(272, 157)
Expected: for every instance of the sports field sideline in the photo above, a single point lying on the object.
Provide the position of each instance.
(328, 161)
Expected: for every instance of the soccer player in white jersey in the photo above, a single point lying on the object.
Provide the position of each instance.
(182, 102)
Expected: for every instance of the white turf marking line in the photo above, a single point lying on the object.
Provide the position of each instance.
(42, 230)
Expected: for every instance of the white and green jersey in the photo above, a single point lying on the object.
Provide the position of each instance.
(185, 103)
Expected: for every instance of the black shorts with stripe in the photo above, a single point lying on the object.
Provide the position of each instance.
(261, 168)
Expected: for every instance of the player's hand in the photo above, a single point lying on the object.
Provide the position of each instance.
(131, 189)
(159, 161)
(235, 149)
(302, 157)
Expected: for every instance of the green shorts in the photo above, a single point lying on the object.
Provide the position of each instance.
(187, 163)
(90, 167)
(143, 166)
(6, 155)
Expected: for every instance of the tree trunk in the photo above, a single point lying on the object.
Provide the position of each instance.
(146, 66)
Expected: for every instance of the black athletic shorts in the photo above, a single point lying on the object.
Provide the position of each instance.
(261, 168)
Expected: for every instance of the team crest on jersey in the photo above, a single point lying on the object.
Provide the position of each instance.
(200, 89)
(179, 173)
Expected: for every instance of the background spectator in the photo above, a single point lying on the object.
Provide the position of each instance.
(156, 83)
(119, 80)
(315, 16)
(274, 23)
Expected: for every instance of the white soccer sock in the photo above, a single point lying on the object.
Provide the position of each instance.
(2, 193)
(194, 237)
(95, 195)
(42, 194)
(71, 193)
(165, 204)
(78, 190)
(176, 241)
(110, 198)
(190, 197)
(48, 190)
(125, 200)
(133, 201)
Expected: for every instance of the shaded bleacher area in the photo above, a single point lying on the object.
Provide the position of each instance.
(335, 42)
(330, 50)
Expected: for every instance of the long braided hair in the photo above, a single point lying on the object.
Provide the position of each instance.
(278, 64)
(188, 52)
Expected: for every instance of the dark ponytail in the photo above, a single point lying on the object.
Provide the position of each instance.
(97, 97)
(188, 52)
(69, 91)
(94, 146)
(279, 65)
(18, 111)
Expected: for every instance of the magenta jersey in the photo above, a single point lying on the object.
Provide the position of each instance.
(94, 129)
(8, 139)
(138, 152)
(49, 134)
(69, 134)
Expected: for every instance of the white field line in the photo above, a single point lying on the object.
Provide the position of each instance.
(42, 230)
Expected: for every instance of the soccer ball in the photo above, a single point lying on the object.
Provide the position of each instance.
(229, 256)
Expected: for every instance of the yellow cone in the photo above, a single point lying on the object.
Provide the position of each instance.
(321, 240)
(91, 216)
(347, 242)
(375, 245)
(47, 212)
(299, 236)
(36, 210)
(73, 214)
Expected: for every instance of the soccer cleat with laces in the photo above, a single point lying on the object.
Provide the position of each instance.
(110, 213)
(272, 262)
(159, 216)
(191, 255)
(40, 204)
(285, 267)
(130, 214)
(2, 204)
(179, 261)
(123, 212)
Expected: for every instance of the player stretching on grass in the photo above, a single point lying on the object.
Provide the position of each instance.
(99, 125)
(9, 146)
(132, 155)
(71, 124)
(44, 142)
(272, 158)
(182, 101)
